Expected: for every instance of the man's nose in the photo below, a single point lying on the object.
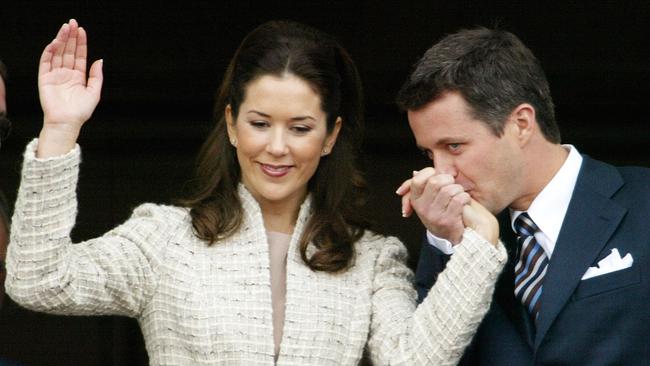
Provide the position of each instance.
(444, 165)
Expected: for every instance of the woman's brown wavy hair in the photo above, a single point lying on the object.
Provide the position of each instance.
(337, 187)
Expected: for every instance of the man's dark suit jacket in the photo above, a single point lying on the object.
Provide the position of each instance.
(604, 320)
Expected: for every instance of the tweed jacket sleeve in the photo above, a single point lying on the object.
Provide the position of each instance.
(211, 305)
(113, 274)
(437, 332)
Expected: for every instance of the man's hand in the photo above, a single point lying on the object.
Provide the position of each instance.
(438, 201)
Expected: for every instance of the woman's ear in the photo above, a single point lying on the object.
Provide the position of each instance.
(330, 140)
(230, 124)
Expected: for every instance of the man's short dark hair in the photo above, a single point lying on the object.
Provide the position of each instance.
(493, 71)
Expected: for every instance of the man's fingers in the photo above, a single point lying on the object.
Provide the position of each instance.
(419, 181)
(431, 188)
(457, 203)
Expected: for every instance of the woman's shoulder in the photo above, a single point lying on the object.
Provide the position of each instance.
(373, 238)
(162, 215)
(375, 244)
(149, 209)
(157, 223)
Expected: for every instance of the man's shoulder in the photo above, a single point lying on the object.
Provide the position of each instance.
(627, 186)
(626, 170)
(600, 173)
(635, 172)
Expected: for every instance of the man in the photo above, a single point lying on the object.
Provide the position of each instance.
(576, 287)
(5, 127)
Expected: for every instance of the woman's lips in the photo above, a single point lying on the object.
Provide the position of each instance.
(275, 171)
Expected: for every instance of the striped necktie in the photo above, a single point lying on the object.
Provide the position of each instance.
(531, 267)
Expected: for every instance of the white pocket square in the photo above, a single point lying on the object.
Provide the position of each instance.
(612, 263)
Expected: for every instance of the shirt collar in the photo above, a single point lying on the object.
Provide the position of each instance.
(549, 207)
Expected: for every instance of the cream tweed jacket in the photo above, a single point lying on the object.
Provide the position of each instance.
(211, 305)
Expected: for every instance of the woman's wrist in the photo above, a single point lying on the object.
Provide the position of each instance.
(56, 141)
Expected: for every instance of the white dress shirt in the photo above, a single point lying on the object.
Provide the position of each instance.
(547, 209)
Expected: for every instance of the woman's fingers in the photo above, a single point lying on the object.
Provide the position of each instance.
(404, 188)
(70, 45)
(96, 78)
(81, 52)
(61, 40)
(45, 63)
(407, 209)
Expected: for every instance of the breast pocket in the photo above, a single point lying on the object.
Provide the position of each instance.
(608, 282)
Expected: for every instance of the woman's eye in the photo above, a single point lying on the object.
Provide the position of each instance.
(259, 124)
(301, 129)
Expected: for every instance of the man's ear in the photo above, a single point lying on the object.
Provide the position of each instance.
(330, 140)
(523, 122)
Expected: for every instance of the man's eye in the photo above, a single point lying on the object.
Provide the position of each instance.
(427, 154)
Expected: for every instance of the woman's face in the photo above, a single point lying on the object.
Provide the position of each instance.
(280, 133)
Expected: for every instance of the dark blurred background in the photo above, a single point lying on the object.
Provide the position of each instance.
(164, 60)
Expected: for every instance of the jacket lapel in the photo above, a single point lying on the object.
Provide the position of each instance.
(253, 234)
(591, 219)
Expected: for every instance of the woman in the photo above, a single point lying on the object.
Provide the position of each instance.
(270, 260)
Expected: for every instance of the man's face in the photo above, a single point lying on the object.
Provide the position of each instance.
(488, 167)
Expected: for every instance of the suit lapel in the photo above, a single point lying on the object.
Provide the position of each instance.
(590, 221)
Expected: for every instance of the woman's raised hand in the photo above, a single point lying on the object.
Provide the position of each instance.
(67, 97)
